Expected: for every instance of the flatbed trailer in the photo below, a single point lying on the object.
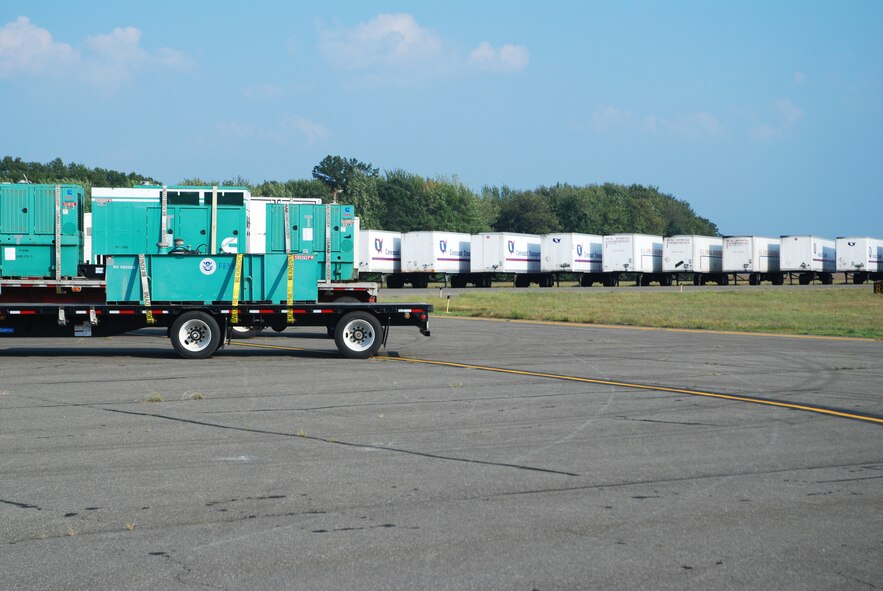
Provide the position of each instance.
(78, 308)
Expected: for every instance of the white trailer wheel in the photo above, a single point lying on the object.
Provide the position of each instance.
(358, 335)
(246, 332)
(195, 335)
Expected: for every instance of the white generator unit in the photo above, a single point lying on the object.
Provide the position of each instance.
(435, 252)
(632, 253)
(505, 252)
(751, 254)
(807, 253)
(692, 254)
(861, 255)
(571, 253)
(380, 251)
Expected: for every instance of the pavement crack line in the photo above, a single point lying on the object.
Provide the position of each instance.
(343, 443)
(20, 505)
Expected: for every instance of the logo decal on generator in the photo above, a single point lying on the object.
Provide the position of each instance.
(207, 266)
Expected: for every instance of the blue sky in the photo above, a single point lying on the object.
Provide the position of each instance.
(767, 117)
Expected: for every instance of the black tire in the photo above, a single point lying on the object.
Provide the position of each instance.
(394, 282)
(754, 279)
(343, 299)
(804, 279)
(243, 332)
(195, 335)
(584, 281)
(487, 282)
(827, 278)
(522, 281)
(778, 279)
(420, 282)
(610, 281)
(698, 280)
(723, 280)
(358, 335)
(458, 281)
(547, 281)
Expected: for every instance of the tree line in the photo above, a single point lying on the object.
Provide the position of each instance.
(402, 201)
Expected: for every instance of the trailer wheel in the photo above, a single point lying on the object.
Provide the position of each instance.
(358, 335)
(458, 281)
(244, 332)
(195, 335)
(584, 281)
(331, 330)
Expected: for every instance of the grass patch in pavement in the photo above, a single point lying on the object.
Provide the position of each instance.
(824, 312)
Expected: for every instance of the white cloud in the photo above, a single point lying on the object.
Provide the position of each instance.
(694, 126)
(787, 114)
(262, 91)
(788, 111)
(610, 118)
(508, 58)
(109, 59)
(289, 128)
(386, 40)
(27, 49)
(395, 47)
(312, 131)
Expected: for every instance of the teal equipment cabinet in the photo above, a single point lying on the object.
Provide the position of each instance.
(209, 279)
(41, 230)
(130, 221)
(324, 231)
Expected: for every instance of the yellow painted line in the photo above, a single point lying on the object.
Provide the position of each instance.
(568, 378)
(667, 329)
(751, 399)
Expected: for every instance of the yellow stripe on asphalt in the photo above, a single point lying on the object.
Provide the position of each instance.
(568, 378)
(667, 329)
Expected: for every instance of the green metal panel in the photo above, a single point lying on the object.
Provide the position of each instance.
(210, 279)
(307, 223)
(115, 231)
(27, 230)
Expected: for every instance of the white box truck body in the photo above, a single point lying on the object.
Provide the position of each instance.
(632, 253)
(571, 253)
(807, 253)
(505, 252)
(860, 254)
(692, 254)
(435, 252)
(380, 251)
(751, 254)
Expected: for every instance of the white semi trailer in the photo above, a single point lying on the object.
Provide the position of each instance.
(573, 254)
(428, 255)
(640, 254)
(515, 256)
(809, 257)
(380, 254)
(861, 257)
(755, 256)
(698, 256)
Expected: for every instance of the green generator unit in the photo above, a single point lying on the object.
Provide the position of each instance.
(130, 221)
(325, 231)
(41, 230)
(209, 279)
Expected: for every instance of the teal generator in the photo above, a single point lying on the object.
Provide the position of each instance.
(324, 231)
(130, 221)
(41, 230)
(209, 279)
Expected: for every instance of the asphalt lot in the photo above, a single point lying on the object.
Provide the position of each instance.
(290, 467)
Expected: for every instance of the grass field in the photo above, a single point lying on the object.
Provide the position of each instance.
(830, 312)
